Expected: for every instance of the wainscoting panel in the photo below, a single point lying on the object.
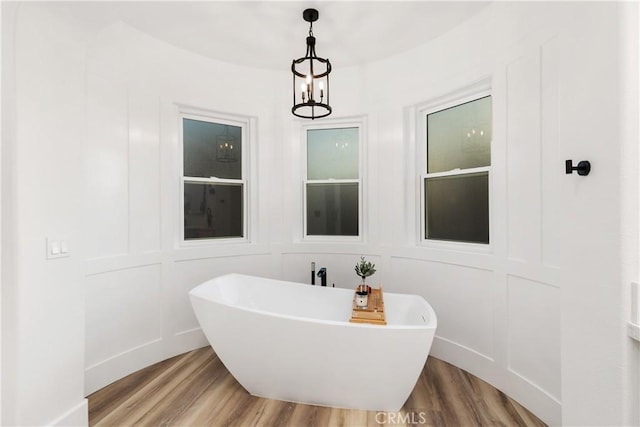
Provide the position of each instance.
(144, 170)
(461, 297)
(523, 157)
(123, 311)
(191, 273)
(534, 333)
(551, 169)
(106, 169)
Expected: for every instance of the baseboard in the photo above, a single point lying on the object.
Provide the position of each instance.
(119, 366)
(187, 340)
(76, 416)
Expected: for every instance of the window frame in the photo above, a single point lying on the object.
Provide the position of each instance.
(223, 119)
(453, 100)
(334, 124)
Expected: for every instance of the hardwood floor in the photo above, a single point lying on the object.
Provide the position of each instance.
(195, 389)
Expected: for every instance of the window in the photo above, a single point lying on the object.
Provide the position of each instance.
(332, 187)
(456, 185)
(214, 191)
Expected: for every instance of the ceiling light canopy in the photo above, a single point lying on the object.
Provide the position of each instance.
(311, 78)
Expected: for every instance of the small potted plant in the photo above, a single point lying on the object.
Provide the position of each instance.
(365, 269)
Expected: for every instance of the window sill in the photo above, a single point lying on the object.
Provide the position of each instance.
(481, 248)
(213, 241)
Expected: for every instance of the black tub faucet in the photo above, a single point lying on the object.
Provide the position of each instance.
(322, 274)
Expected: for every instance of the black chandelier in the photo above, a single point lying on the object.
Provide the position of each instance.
(311, 78)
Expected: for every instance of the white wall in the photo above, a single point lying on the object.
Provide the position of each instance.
(558, 243)
(599, 361)
(137, 271)
(498, 308)
(8, 115)
(43, 300)
(629, 119)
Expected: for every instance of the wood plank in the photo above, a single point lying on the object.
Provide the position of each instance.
(195, 389)
(111, 397)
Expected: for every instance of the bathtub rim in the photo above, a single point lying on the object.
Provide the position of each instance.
(431, 324)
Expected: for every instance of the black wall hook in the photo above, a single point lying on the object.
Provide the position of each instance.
(583, 167)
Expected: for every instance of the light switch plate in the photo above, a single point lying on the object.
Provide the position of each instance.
(57, 247)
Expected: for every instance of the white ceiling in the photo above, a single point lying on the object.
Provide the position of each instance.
(270, 34)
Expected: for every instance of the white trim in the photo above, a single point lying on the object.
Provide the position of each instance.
(78, 415)
(341, 123)
(244, 123)
(332, 181)
(469, 93)
(213, 180)
(455, 172)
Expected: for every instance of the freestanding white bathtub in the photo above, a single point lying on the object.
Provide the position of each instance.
(294, 342)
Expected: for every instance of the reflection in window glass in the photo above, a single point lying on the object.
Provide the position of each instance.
(212, 149)
(213, 210)
(332, 153)
(459, 137)
(213, 185)
(332, 184)
(456, 185)
(332, 209)
(457, 208)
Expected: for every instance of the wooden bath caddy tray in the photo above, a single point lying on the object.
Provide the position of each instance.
(374, 313)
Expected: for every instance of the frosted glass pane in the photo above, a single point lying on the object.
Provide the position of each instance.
(213, 210)
(332, 153)
(458, 208)
(212, 149)
(332, 209)
(460, 137)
